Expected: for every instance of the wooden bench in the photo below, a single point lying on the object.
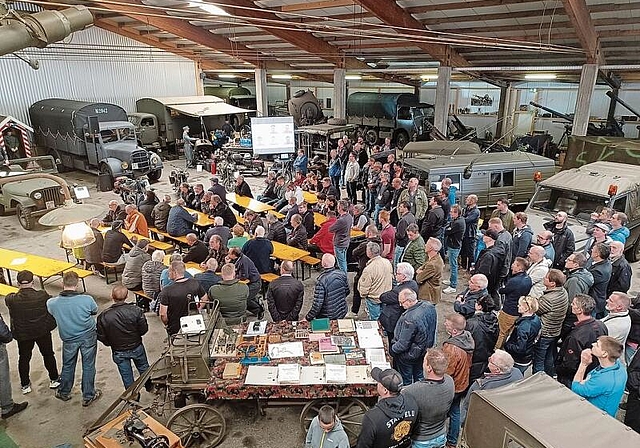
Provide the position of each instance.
(180, 240)
(114, 267)
(266, 279)
(82, 274)
(309, 261)
(138, 295)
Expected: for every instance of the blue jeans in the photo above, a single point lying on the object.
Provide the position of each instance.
(454, 419)
(6, 400)
(629, 353)
(544, 356)
(373, 309)
(438, 442)
(376, 212)
(453, 264)
(123, 361)
(396, 256)
(341, 258)
(87, 347)
(411, 372)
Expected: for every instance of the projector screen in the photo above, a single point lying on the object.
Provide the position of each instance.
(272, 135)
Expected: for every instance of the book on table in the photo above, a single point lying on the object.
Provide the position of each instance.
(320, 325)
(343, 341)
(316, 358)
(367, 325)
(346, 326)
(325, 346)
(339, 358)
(335, 373)
(369, 338)
(288, 373)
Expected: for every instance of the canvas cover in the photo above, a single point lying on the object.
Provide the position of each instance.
(595, 178)
(442, 147)
(539, 412)
(583, 150)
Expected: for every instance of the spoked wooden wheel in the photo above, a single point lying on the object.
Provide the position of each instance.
(198, 426)
(350, 411)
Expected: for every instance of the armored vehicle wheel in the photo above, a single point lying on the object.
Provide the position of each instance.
(154, 176)
(350, 411)
(25, 217)
(198, 426)
(402, 138)
(371, 136)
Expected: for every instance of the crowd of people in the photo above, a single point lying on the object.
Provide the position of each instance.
(531, 301)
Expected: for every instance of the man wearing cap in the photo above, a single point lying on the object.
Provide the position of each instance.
(188, 146)
(121, 327)
(32, 324)
(217, 188)
(74, 313)
(490, 262)
(599, 235)
(392, 420)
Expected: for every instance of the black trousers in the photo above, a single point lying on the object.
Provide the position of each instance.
(352, 192)
(25, 349)
(357, 300)
(632, 417)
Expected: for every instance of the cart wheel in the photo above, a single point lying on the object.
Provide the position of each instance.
(349, 410)
(198, 426)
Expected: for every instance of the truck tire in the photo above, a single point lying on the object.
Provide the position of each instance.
(337, 121)
(371, 137)
(107, 175)
(25, 217)
(56, 156)
(402, 138)
(154, 176)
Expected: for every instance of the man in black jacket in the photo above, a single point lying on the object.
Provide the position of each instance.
(114, 242)
(285, 295)
(246, 270)
(434, 221)
(198, 251)
(32, 324)
(391, 308)
(620, 269)
(564, 242)
(218, 189)
(632, 416)
(330, 292)
(490, 261)
(7, 405)
(121, 327)
(600, 268)
(453, 233)
(307, 219)
(392, 420)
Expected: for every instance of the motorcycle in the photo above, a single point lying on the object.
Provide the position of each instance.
(132, 191)
(178, 177)
(242, 163)
(284, 167)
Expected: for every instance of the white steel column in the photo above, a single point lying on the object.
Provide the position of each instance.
(261, 92)
(339, 93)
(588, 79)
(443, 93)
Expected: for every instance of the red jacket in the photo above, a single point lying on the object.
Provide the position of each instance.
(323, 238)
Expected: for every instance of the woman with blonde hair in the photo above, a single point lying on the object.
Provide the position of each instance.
(525, 333)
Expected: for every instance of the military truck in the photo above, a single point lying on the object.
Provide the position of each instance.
(92, 137)
(399, 116)
(236, 96)
(585, 190)
(30, 188)
(490, 176)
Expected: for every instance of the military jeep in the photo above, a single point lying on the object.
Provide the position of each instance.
(28, 195)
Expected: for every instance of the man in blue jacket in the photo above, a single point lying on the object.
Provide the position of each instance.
(330, 293)
(414, 333)
(179, 221)
(604, 386)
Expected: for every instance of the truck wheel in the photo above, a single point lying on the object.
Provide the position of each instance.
(58, 160)
(371, 136)
(154, 176)
(25, 217)
(2, 210)
(402, 138)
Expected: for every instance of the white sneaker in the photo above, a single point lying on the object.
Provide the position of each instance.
(54, 384)
(26, 389)
(446, 282)
(449, 290)
(350, 315)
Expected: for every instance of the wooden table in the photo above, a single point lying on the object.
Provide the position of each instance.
(160, 245)
(190, 265)
(248, 203)
(309, 197)
(203, 218)
(42, 267)
(6, 289)
(319, 219)
(284, 252)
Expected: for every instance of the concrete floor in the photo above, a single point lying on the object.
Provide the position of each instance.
(49, 422)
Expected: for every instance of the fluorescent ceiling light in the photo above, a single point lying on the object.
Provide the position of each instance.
(281, 76)
(211, 9)
(540, 76)
(428, 77)
(227, 75)
(353, 77)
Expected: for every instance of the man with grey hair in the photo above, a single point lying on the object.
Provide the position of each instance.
(116, 213)
(219, 229)
(208, 278)
(501, 372)
(180, 221)
(391, 308)
(360, 218)
(376, 278)
(298, 236)
(415, 332)
(330, 292)
(537, 270)
(259, 250)
(188, 142)
(620, 269)
(618, 321)
(178, 297)
(465, 303)
(429, 274)
(198, 251)
(277, 231)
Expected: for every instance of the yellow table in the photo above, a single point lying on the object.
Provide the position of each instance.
(42, 267)
(249, 203)
(190, 265)
(319, 219)
(284, 252)
(309, 197)
(6, 289)
(203, 218)
(160, 245)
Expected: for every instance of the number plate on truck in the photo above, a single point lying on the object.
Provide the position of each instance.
(134, 166)
(50, 205)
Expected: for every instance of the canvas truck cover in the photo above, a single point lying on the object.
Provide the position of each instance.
(441, 148)
(539, 412)
(595, 178)
(379, 105)
(70, 117)
(583, 150)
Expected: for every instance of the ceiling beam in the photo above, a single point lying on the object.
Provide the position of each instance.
(390, 13)
(308, 6)
(166, 46)
(580, 18)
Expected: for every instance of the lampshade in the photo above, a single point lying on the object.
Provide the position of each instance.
(77, 235)
(70, 213)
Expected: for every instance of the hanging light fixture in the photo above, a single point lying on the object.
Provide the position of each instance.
(77, 235)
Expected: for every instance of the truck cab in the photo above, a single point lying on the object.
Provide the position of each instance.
(147, 130)
(582, 191)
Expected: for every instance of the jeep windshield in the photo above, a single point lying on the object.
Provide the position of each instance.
(576, 204)
(18, 167)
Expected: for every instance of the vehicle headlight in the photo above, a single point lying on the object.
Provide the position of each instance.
(155, 160)
(37, 195)
(124, 165)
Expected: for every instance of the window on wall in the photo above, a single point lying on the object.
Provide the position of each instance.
(502, 179)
